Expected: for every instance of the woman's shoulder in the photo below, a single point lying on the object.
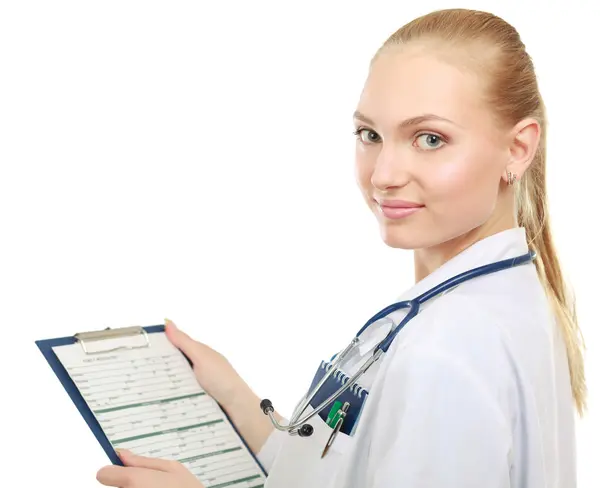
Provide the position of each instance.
(459, 321)
(491, 313)
(475, 332)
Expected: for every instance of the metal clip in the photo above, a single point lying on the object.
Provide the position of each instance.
(109, 333)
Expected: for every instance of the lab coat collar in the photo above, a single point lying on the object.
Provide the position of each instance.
(502, 245)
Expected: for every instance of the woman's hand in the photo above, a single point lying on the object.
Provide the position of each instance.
(144, 472)
(214, 372)
(222, 382)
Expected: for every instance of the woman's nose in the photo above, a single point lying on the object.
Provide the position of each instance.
(390, 170)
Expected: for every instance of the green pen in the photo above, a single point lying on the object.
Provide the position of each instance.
(337, 420)
(333, 413)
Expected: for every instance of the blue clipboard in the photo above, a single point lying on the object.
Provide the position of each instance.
(67, 382)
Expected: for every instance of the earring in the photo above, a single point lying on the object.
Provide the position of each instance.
(511, 178)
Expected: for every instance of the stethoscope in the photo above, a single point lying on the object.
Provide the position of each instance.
(299, 426)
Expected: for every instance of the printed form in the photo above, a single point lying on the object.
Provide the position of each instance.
(147, 400)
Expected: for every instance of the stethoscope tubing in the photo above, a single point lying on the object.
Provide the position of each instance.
(414, 307)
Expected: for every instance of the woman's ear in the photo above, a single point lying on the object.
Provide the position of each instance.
(524, 142)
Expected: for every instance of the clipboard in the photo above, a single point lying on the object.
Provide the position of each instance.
(85, 339)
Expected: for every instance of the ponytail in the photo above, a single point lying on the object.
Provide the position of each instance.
(532, 214)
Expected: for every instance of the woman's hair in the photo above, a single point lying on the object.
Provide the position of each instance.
(493, 48)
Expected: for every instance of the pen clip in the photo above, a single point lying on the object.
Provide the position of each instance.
(338, 425)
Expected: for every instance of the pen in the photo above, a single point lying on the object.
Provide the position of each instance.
(336, 420)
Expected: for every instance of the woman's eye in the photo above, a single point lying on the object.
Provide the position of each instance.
(367, 136)
(428, 142)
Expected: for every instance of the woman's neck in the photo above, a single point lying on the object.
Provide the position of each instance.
(427, 260)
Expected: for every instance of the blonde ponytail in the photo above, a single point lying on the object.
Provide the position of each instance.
(532, 213)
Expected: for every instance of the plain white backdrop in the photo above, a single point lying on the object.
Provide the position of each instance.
(194, 160)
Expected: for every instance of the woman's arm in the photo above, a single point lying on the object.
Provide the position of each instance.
(253, 425)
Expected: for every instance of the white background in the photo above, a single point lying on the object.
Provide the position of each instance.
(194, 160)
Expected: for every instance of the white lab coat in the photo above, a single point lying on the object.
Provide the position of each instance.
(473, 393)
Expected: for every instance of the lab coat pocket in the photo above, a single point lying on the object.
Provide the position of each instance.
(299, 463)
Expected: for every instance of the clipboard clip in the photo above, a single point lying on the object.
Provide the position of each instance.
(109, 333)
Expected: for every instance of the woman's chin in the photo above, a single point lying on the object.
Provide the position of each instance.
(399, 238)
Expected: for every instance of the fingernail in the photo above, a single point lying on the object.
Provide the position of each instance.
(121, 452)
(170, 323)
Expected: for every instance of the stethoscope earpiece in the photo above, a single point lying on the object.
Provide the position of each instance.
(266, 406)
(306, 430)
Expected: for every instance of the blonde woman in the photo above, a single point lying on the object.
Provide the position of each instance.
(480, 388)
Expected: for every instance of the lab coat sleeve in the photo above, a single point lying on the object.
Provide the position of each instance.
(439, 425)
(270, 449)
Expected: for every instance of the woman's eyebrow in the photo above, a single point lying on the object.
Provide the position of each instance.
(407, 122)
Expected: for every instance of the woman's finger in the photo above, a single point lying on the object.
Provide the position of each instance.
(135, 461)
(182, 341)
(115, 476)
(128, 477)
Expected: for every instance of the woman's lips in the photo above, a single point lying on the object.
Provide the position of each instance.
(398, 209)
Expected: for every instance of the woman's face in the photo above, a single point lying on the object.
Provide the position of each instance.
(425, 139)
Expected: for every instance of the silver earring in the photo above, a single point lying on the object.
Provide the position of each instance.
(511, 178)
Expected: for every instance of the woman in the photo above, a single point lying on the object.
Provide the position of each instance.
(479, 389)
